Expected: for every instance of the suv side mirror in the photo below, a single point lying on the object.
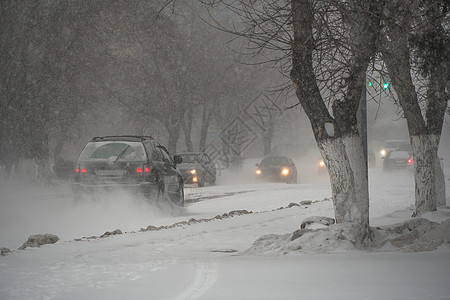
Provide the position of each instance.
(177, 159)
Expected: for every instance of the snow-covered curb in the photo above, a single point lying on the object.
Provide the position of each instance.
(316, 235)
(414, 235)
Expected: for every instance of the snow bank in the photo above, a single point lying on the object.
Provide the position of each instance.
(39, 240)
(415, 235)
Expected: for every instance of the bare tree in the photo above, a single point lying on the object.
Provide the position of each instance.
(325, 48)
(416, 40)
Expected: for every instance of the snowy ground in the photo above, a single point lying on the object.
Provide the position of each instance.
(205, 258)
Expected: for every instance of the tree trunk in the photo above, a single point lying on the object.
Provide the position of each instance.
(436, 108)
(440, 183)
(424, 135)
(206, 119)
(345, 162)
(425, 159)
(337, 138)
(423, 144)
(187, 128)
(173, 126)
(268, 136)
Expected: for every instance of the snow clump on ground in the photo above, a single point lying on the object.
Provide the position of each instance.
(415, 235)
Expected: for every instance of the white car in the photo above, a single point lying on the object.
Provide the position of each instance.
(393, 145)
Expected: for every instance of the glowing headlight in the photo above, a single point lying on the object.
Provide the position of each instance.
(258, 172)
(193, 171)
(285, 172)
(322, 163)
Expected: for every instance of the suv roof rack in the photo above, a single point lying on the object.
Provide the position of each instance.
(122, 137)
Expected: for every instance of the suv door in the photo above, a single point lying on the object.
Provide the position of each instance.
(172, 179)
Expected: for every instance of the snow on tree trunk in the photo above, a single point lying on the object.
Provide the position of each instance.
(345, 162)
(429, 186)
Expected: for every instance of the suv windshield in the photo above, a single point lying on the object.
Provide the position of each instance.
(113, 151)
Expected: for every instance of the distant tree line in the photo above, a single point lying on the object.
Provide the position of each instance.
(73, 69)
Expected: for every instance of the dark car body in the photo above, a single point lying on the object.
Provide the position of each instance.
(133, 163)
(277, 168)
(398, 159)
(197, 167)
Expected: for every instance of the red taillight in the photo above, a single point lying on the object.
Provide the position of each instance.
(410, 161)
(141, 169)
(80, 170)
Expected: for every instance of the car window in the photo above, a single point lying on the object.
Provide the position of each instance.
(157, 154)
(113, 151)
(166, 155)
(149, 149)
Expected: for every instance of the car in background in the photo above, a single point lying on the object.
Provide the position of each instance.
(133, 163)
(391, 145)
(197, 168)
(398, 159)
(321, 166)
(277, 168)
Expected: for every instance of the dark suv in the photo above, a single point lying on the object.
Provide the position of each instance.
(136, 163)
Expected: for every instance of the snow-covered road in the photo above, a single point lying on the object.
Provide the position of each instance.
(204, 257)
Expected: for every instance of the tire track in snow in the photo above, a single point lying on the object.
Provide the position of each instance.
(205, 276)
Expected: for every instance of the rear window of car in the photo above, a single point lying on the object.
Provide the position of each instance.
(399, 155)
(113, 151)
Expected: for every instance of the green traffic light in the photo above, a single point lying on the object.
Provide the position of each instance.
(385, 85)
(369, 83)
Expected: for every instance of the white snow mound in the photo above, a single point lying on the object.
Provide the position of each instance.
(414, 235)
